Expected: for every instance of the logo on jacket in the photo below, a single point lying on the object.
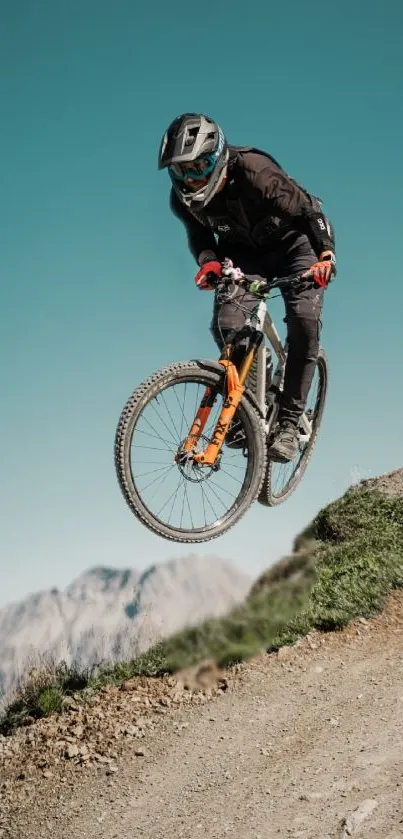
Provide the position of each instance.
(218, 226)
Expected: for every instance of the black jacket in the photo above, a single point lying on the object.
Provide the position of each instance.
(260, 206)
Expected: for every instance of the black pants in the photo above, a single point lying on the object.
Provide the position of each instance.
(303, 315)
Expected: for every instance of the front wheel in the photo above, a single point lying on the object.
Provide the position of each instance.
(281, 480)
(185, 502)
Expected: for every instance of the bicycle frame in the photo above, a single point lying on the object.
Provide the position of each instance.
(235, 386)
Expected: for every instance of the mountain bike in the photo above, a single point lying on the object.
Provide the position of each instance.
(182, 470)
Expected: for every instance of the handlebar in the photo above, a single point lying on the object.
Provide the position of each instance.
(277, 282)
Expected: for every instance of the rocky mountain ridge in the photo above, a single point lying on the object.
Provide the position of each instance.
(109, 613)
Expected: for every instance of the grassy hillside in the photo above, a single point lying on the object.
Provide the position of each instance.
(344, 565)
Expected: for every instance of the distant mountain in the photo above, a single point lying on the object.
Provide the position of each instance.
(109, 613)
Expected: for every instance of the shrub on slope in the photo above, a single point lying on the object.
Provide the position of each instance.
(344, 565)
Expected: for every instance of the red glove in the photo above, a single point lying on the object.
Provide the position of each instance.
(209, 271)
(322, 271)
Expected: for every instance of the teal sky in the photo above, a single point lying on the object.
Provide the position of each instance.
(97, 283)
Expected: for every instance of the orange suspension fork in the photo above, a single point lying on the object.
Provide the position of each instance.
(200, 420)
(235, 387)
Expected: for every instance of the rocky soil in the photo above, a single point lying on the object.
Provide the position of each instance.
(305, 743)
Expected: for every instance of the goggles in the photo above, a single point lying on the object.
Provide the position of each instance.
(195, 170)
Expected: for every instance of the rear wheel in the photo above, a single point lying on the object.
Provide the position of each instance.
(185, 501)
(281, 479)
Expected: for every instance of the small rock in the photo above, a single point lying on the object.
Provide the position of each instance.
(42, 763)
(140, 753)
(128, 684)
(71, 751)
(47, 773)
(310, 796)
(131, 730)
(112, 770)
(284, 653)
(350, 824)
(69, 703)
(77, 731)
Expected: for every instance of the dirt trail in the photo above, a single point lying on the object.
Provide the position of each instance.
(300, 741)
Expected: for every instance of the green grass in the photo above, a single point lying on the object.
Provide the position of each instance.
(346, 563)
(44, 690)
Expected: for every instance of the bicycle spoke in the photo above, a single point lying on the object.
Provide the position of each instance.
(170, 417)
(183, 507)
(156, 437)
(197, 401)
(177, 491)
(209, 502)
(231, 476)
(204, 507)
(150, 462)
(232, 466)
(222, 489)
(211, 488)
(190, 512)
(154, 429)
(160, 469)
(182, 409)
(150, 448)
(156, 479)
(283, 475)
(174, 493)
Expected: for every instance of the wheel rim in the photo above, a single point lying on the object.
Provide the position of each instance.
(183, 496)
(284, 475)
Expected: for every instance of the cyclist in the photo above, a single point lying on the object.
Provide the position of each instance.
(237, 202)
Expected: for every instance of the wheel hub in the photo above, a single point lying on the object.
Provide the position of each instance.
(191, 470)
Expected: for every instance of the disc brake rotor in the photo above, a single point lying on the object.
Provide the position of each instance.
(191, 471)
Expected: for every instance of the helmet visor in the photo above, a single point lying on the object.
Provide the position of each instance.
(195, 170)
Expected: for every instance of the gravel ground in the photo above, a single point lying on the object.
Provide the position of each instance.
(306, 744)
